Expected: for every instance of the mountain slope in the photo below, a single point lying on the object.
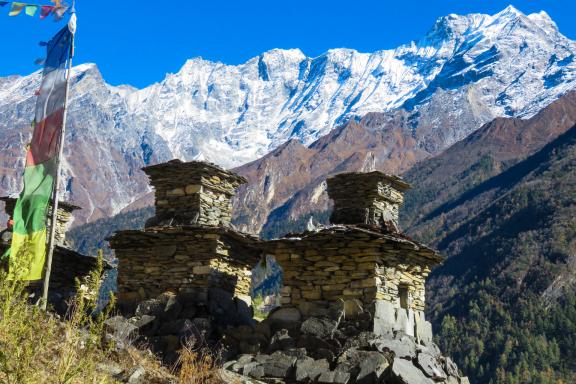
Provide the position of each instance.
(505, 300)
(463, 73)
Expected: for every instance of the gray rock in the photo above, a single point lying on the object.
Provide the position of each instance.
(286, 314)
(110, 369)
(404, 372)
(334, 377)
(254, 370)
(172, 309)
(372, 368)
(362, 340)
(320, 328)
(403, 348)
(281, 341)
(430, 366)
(121, 329)
(308, 369)
(464, 380)
(152, 307)
(450, 367)
(242, 361)
(228, 365)
(296, 352)
(138, 376)
(146, 324)
(279, 365)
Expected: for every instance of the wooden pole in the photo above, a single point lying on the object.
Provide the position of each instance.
(56, 190)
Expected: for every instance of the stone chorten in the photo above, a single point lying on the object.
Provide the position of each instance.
(194, 193)
(188, 247)
(372, 198)
(360, 260)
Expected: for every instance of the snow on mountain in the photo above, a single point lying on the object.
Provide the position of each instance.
(468, 69)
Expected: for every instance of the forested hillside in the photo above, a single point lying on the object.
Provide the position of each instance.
(503, 302)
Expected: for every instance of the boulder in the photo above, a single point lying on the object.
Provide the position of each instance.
(334, 377)
(152, 307)
(404, 372)
(308, 369)
(254, 370)
(362, 340)
(121, 329)
(241, 362)
(431, 367)
(138, 376)
(319, 327)
(312, 343)
(285, 314)
(404, 348)
(146, 324)
(279, 365)
(450, 367)
(281, 341)
(372, 368)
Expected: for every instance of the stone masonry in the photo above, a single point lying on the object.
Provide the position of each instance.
(372, 198)
(188, 247)
(193, 193)
(361, 258)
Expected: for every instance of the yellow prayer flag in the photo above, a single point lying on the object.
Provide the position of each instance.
(16, 9)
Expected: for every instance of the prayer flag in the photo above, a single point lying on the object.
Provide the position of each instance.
(45, 11)
(31, 10)
(28, 249)
(16, 9)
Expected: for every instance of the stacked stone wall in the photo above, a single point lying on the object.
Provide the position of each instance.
(331, 267)
(181, 259)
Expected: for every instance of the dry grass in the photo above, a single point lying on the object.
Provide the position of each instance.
(198, 365)
(38, 347)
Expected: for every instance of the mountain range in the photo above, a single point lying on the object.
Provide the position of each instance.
(424, 96)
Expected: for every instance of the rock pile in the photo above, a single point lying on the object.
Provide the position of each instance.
(166, 322)
(332, 349)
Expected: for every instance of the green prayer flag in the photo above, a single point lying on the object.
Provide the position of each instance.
(31, 10)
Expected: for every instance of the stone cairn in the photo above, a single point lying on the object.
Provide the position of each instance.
(353, 297)
(187, 274)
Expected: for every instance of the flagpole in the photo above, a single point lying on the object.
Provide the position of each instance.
(56, 189)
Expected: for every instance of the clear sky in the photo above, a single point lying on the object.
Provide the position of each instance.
(138, 42)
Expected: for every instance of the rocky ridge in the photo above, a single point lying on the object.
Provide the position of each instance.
(468, 69)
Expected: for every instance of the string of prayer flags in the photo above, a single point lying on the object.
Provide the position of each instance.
(58, 10)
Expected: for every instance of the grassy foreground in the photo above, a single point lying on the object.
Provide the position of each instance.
(38, 347)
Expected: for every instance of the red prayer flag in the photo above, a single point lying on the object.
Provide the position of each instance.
(45, 11)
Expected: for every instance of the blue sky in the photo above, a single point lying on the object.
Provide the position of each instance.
(138, 42)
